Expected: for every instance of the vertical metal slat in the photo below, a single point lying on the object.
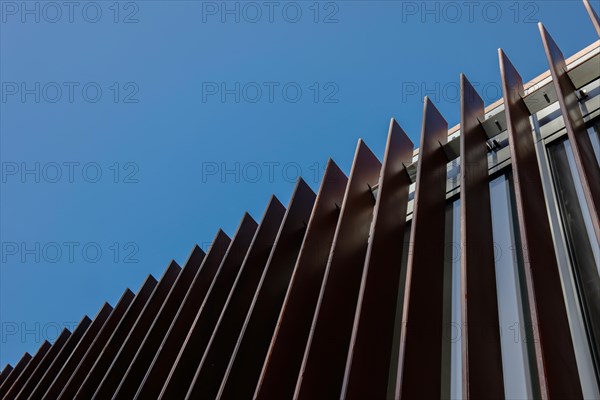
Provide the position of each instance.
(324, 362)
(112, 377)
(367, 369)
(70, 389)
(5, 372)
(146, 352)
(585, 159)
(27, 371)
(14, 374)
(76, 356)
(102, 360)
(284, 357)
(169, 349)
(420, 360)
(481, 352)
(556, 366)
(63, 356)
(223, 290)
(49, 358)
(247, 360)
(593, 16)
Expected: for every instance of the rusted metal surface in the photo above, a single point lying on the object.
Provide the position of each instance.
(206, 318)
(583, 152)
(146, 352)
(556, 365)
(78, 353)
(214, 360)
(322, 371)
(481, 351)
(161, 366)
(284, 357)
(420, 359)
(247, 360)
(62, 357)
(13, 390)
(5, 372)
(49, 358)
(14, 374)
(112, 377)
(370, 353)
(594, 17)
(102, 361)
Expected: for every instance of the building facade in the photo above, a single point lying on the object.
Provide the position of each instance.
(360, 292)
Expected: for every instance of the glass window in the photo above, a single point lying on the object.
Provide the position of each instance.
(452, 343)
(515, 325)
(582, 278)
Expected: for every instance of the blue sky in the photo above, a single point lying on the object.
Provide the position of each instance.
(131, 131)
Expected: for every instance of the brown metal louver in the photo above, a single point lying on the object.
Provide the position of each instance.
(169, 348)
(5, 373)
(420, 360)
(284, 357)
(94, 350)
(100, 362)
(63, 356)
(307, 304)
(49, 358)
(253, 343)
(15, 373)
(222, 344)
(31, 366)
(593, 16)
(322, 370)
(198, 336)
(370, 352)
(556, 366)
(585, 159)
(481, 352)
(112, 377)
(78, 353)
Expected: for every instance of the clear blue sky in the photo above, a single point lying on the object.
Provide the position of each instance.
(162, 130)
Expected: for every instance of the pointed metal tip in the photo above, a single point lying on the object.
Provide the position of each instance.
(301, 182)
(330, 163)
(394, 126)
(275, 200)
(464, 81)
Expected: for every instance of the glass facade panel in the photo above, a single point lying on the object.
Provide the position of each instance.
(581, 278)
(452, 345)
(515, 335)
(455, 328)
